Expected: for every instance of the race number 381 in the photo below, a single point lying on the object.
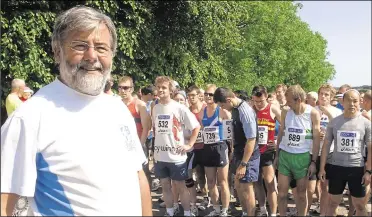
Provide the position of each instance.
(348, 141)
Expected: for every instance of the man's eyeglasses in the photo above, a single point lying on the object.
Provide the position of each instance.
(124, 87)
(208, 94)
(80, 46)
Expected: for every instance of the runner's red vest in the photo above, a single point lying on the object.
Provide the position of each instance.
(198, 145)
(264, 119)
(137, 118)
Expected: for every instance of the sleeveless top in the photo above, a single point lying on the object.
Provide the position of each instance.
(266, 128)
(212, 127)
(137, 118)
(298, 136)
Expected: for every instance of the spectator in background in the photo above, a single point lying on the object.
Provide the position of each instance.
(312, 98)
(341, 91)
(334, 102)
(13, 99)
(361, 99)
(108, 87)
(149, 93)
(180, 97)
(26, 94)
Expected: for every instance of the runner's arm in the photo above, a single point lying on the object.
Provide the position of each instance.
(145, 121)
(369, 156)
(328, 139)
(315, 119)
(368, 143)
(281, 131)
(145, 194)
(277, 114)
(249, 122)
(8, 202)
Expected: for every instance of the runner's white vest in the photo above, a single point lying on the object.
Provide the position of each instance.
(298, 137)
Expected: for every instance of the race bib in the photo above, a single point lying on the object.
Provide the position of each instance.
(211, 135)
(164, 124)
(199, 139)
(227, 129)
(295, 137)
(348, 141)
(263, 133)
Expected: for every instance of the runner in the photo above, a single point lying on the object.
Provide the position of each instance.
(197, 107)
(76, 148)
(299, 129)
(215, 153)
(350, 132)
(280, 94)
(246, 154)
(312, 98)
(266, 120)
(136, 107)
(327, 112)
(341, 91)
(170, 149)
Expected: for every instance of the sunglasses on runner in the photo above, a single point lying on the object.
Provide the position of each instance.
(124, 87)
(209, 94)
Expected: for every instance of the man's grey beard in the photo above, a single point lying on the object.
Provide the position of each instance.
(81, 81)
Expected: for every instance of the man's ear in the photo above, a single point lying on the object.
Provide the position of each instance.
(57, 55)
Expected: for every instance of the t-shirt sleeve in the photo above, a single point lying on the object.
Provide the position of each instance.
(189, 119)
(368, 132)
(329, 133)
(248, 119)
(135, 147)
(18, 158)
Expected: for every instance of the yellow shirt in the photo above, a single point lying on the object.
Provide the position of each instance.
(12, 102)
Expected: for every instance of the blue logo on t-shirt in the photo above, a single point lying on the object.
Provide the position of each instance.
(164, 117)
(294, 130)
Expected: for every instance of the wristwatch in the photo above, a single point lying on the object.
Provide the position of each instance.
(369, 171)
(313, 161)
(244, 164)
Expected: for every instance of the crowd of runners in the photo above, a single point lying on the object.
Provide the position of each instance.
(74, 149)
(256, 146)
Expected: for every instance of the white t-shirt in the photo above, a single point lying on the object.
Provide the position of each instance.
(169, 123)
(324, 121)
(72, 154)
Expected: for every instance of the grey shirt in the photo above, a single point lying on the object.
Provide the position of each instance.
(350, 136)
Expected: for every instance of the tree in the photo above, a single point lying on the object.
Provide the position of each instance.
(231, 43)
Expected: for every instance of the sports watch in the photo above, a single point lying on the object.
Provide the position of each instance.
(244, 164)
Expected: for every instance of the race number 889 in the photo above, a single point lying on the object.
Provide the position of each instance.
(294, 138)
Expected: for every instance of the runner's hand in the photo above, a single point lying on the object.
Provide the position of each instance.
(183, 149)
(366, 179)
(240, 172)
(322, 175)
(312, 169)
(271, 145)
(322, 134)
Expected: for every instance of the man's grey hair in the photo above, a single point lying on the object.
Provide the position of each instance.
(80, 18)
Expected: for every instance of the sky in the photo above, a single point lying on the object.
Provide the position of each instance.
(346, 25)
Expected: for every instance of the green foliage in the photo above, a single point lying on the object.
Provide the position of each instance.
(232, 43)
